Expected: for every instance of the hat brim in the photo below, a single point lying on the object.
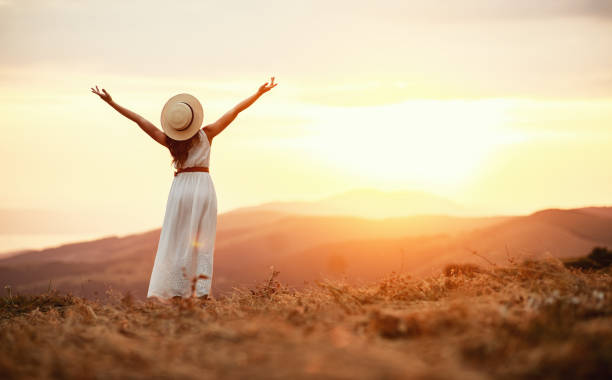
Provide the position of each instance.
(196, 122)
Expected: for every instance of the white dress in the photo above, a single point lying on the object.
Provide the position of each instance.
(187, 239)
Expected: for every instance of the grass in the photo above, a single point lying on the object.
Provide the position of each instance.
(599, 258)
(529, 320)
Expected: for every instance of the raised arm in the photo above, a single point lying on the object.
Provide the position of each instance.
(215, 128)
(150, 129)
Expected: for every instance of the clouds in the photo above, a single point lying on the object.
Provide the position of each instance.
(471, 10)
(439, 48)
(592, 8)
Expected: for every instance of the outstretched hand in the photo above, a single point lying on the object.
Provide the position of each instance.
(265, 87)
(103, 95)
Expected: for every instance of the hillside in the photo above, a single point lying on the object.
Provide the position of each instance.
(306, 248)
(557, 233)
(536, 320)
(247, 244)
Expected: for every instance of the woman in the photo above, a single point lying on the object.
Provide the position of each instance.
(184, 259)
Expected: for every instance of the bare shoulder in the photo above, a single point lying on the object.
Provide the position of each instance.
(209, 133)
(161, 138)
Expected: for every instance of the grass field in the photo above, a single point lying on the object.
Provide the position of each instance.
(534, 320)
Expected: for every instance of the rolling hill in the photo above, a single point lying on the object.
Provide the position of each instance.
(308, 247)
(559, 233)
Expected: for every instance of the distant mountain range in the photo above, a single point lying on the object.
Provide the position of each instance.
(309, 247)
(370, 203)
(366, 203)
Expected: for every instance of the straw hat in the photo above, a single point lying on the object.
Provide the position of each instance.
(182, 117)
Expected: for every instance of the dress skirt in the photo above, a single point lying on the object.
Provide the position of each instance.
(187, 239)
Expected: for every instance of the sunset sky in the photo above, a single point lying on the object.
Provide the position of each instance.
(505, 106)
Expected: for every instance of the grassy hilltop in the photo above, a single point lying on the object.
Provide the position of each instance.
(531, 320)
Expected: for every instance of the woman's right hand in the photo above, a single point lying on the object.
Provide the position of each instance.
(265, 87)
(103, 95)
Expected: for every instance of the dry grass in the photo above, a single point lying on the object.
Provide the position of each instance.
(533, 320)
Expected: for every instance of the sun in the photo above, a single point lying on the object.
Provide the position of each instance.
(427, 142)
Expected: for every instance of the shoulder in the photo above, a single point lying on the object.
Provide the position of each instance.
(208, 133)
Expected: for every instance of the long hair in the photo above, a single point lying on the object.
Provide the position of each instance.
(179, 149)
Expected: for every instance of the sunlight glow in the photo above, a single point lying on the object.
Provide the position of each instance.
(493, 106)
(432, 142)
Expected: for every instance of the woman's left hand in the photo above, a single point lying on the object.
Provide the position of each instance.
(265, 87)
(103, 95)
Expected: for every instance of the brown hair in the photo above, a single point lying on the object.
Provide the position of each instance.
(179, 149)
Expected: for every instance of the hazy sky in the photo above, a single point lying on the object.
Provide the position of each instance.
(504, 105)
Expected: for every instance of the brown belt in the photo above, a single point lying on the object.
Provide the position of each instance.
(191, 169)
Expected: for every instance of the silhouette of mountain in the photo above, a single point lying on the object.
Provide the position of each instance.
(248, 242)
(366, 203)
(370, 203)
(559, 233)
(308, 247)
(605, 212)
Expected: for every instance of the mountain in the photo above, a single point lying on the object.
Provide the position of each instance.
(557, 233)
(601, 211)
(365, 203)
(248, 243)
(370, 203)
(308, 247)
